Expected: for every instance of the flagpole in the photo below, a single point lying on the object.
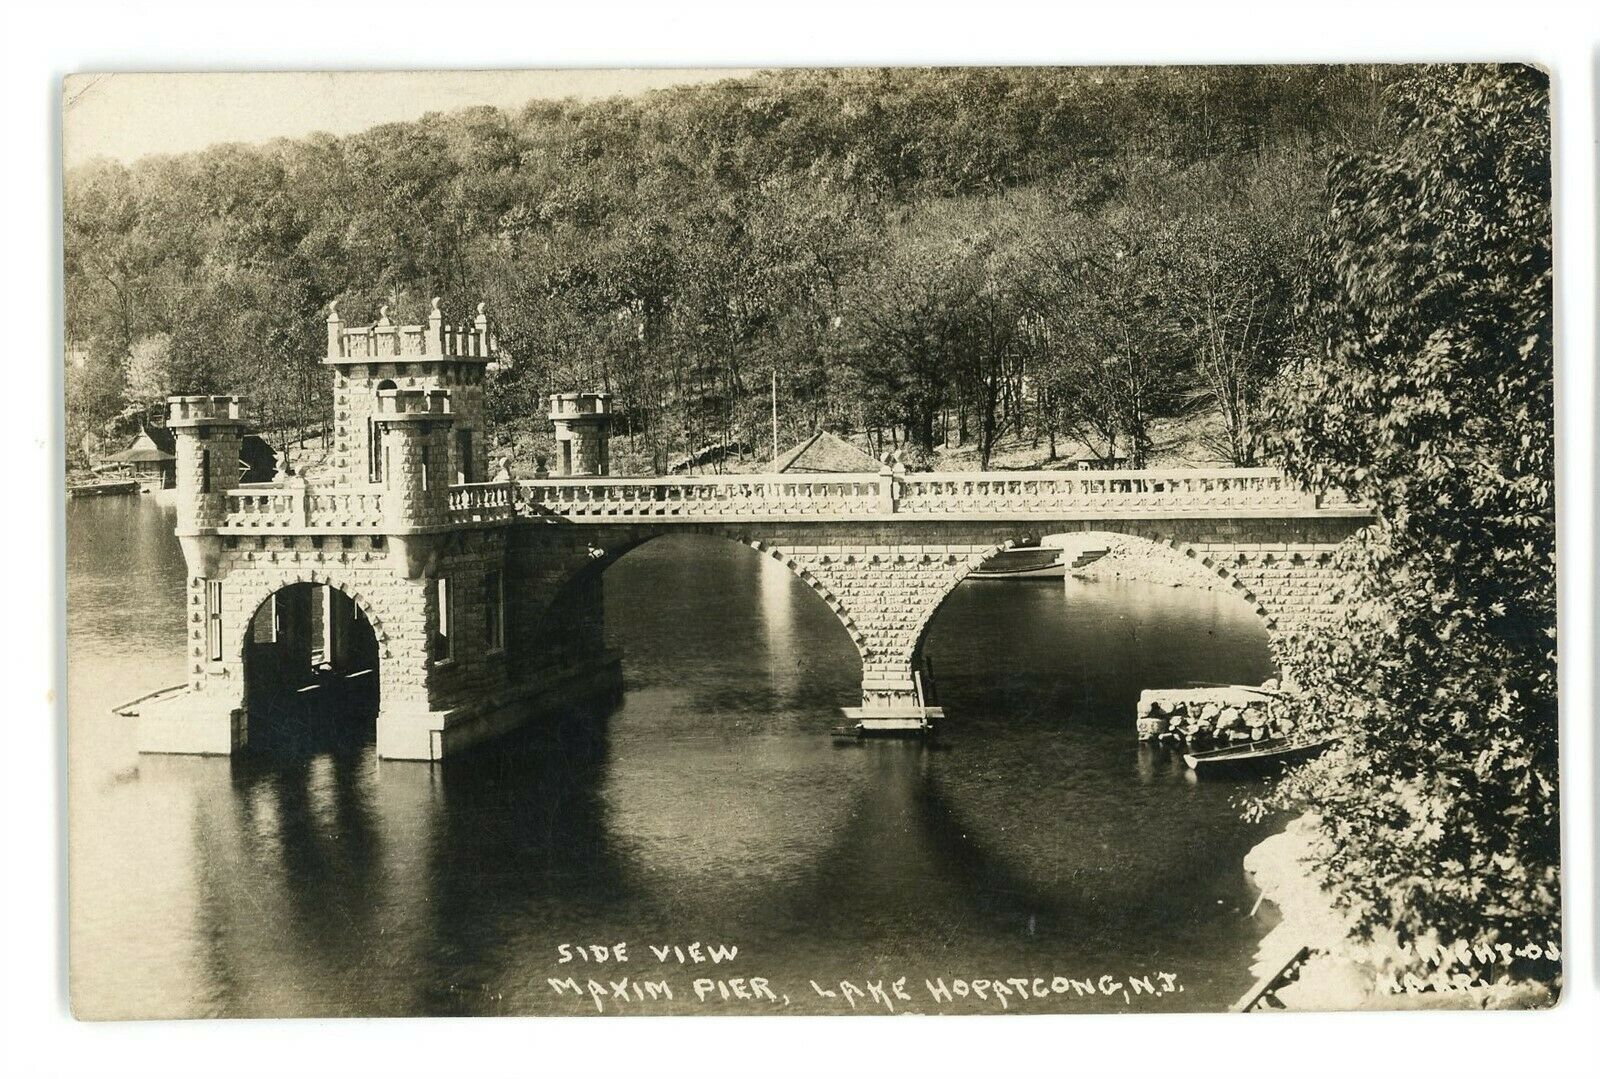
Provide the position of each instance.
(774, 413)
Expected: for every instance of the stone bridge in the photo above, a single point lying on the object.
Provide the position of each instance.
(478, 602)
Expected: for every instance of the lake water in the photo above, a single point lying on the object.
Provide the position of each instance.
(1037, 840)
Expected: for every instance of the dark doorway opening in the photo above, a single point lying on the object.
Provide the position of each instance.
(311, 672)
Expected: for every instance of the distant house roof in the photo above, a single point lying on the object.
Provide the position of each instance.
(165, 440)
(257, 459)
(145, 449)
(824, 452)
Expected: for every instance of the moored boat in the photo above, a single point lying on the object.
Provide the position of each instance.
(1020, 563)
(1269, 753)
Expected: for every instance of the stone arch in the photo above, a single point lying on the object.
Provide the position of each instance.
(264, 692)
(1204, 567)
(585, 565)
(1220, 571)
(809, 577)
(963, 567)
(265, 590)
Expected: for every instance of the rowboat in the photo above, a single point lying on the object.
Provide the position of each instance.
(1269, 753)
(1020, 563)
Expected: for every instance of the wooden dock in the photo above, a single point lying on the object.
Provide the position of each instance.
(104, 487)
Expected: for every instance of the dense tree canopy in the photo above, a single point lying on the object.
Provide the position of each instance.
(1432, 398)
(680, 247)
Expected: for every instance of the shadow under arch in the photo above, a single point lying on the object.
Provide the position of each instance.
(1167, 560)
(904, 829)
(570, 624)
(311, 656)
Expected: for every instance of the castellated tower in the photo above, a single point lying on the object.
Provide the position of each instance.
(209, 431)
(583, 423)
(383, 589)
(437, 355)
(414, 428)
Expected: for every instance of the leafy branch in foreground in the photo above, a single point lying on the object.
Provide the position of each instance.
(1433, 400)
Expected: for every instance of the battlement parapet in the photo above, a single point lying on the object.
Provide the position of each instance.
(570, 406)
(408, 403)
(206, 409)
(435, 339)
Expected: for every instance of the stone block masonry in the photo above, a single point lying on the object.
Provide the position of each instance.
(1211, 715)
(885, 580)
(485, 599)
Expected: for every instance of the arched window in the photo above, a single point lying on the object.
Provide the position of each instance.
(375, 439)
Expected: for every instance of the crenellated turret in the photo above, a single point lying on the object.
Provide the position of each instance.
(209, 431)
(583, 427)
(435, 355)
(414, 427)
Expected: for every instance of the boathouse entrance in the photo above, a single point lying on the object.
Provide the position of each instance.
(310, 672)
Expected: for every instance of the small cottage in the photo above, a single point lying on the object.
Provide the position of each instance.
(150, 459)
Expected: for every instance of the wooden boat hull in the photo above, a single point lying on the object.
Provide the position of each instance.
(1254, 758)
(1022, 563)
(1051, 572)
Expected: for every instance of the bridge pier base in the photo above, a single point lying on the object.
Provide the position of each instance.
(433, 735)
(893, 703)
(186, 722)
(918, 721)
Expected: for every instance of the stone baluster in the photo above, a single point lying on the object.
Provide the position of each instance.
(434, 346)
(480, 327)
(299, 502)
(335, 332)
(886, 487)
(384, 328)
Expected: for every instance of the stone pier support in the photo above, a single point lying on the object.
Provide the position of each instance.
(485, 600)
(885, 582)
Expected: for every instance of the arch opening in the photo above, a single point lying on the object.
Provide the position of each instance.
(311, 671)
(1133, 613)
(711, 591)
(1099, 556)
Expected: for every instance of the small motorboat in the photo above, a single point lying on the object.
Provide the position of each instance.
(1265, 755)
(1020, 563)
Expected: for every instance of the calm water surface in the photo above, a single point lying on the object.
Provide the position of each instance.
(1040, 839)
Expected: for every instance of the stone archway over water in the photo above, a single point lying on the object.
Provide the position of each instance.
(311, 663)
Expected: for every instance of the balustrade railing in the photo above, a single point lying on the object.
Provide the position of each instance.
(933, 494)
(1178, 489)
(268, 507)
(849, 494)
(482, 502)
(953, 495)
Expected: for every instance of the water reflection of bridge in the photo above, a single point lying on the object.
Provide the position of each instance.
(322, 890)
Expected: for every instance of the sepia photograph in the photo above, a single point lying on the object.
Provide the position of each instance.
(848, 541)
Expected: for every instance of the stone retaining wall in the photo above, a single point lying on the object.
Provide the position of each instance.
(1211, 715)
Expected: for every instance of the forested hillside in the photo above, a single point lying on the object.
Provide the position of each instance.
(929, 256)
